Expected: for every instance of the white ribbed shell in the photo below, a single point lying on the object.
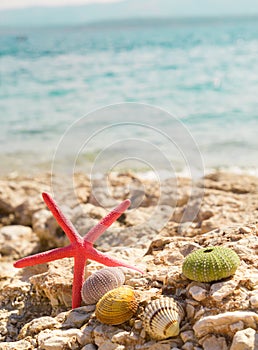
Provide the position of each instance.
(162, 318)
(100, 282)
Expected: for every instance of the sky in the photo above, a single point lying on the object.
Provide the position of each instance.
(74, 12)
(11, 4)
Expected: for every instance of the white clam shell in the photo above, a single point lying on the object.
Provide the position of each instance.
(100, 282)
(162, 318)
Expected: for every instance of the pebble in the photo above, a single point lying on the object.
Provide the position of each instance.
(247, 339)
(214, 343)
(254, 300)
(221, 290)
(198, 293)
(138, 324)
(187, 346)
(187, 336)
(89, 347)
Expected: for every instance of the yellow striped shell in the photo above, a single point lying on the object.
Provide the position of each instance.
(117, 306)
(162, 318)
(100, 283)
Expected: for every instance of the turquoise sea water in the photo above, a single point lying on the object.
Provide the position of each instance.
(205, 72)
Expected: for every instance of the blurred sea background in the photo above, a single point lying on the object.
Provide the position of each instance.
(203, 70)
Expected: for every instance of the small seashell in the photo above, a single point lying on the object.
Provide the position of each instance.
(210, 264)
(100, 282)
(117, 306)
(162, 317)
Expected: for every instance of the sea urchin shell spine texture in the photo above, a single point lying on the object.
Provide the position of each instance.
(117, 306)
(100, 282)
(210, 264)
(162, 318)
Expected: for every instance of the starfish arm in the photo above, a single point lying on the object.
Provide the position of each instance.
(108, 220)
(78, 279)
(65, 223)
(45, 257)
(94, 254)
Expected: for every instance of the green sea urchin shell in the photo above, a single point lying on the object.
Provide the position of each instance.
(210, 264)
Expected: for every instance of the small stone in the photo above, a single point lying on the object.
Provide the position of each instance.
(89, 347)
(143, 333)
(220, 323)
(190, 311)
(86, 335)
(138, 324)
(17, 345)
(120, 337)
(187, 336)
(76, 318)
(254, 300)
(108, 345)
(198, 293)
(245, 229)
(221, 290)
(246, 339)
(214, 343)
(187, 346)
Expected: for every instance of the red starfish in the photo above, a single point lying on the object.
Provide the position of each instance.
(81, 248)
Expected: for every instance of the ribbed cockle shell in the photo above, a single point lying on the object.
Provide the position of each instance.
(117, 306)
(100, 282)
(162, 317)
(210, 264)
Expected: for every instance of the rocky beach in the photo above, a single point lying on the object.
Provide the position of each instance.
(155, 234)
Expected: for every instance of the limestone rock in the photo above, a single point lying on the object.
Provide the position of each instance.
(47, 229)
(246, 339)
(37, 325)
(56, 283)
(58, 339)
(214, 343)
(221, 290)
(19, 345)
(220, 323)
(17, 241)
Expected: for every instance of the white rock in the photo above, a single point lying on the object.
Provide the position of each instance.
(221, 290)
(220, 323)
(246, 339)
(254, 300)
(214, 343)
(120, 337)
(198, 293)
(17, 345)
(58, 339)
(138, 324)
(17, 240)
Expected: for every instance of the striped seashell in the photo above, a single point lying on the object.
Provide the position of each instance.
(100, 282)
(210, 264)
(117, 306)
(162, 317)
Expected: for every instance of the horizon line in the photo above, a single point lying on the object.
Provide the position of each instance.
(114, 21)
